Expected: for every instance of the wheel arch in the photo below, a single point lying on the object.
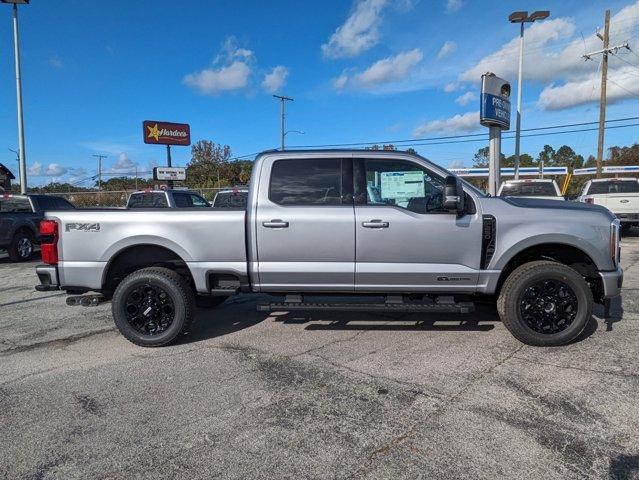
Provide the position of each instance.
(564, 253)
(136, 257)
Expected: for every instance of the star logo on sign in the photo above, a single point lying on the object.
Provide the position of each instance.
(154, 132)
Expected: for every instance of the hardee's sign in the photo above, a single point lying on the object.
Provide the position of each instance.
(165, 133)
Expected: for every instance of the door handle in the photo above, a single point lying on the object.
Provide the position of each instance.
(275, 224)
(375, 224)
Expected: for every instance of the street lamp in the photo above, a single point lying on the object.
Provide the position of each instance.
(521, 18)
(16, 48)
(294, 131)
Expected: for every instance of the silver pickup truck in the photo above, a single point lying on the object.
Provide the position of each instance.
(358, 226)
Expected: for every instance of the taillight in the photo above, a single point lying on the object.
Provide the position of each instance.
(589, 200)
(49, 241)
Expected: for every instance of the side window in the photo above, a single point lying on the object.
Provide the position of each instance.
(306, 182)
(147, 200)
(401, 184)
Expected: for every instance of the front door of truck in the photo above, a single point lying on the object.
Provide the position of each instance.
(405, 241)
(305, 226)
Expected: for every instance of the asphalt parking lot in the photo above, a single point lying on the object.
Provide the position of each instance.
(256, 395)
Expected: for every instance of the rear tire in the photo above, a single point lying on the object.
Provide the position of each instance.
(21, 247)
(545, 304)
(153, 307)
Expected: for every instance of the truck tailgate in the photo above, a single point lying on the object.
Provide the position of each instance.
(622, 202)
(205, 239)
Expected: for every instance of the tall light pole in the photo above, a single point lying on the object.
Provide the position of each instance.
(521, 18)
(282, 115)
(16, 47)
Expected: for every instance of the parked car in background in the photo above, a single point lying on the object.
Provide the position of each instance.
(20, 217)
(166, 199)
(356, 223)
(530, 188)
(619, 195)
(231, 199)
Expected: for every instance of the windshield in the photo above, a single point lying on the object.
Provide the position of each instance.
(614, 186)
(532, 189)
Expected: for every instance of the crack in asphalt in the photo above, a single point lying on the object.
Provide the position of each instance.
(58, 342)
(28, 375)
(580, 369)
(394, 442)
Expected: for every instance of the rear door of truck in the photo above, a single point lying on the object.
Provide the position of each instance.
(619, 196)
(305, 225)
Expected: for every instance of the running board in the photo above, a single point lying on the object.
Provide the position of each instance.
(445, 305)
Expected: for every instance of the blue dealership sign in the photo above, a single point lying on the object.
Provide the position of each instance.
(495, 110)
(495, 102)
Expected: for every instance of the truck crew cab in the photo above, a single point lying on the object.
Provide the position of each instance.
(358, 223)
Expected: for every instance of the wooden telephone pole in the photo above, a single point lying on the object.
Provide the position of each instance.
(605, 38)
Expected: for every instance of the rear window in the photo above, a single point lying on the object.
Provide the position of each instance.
(306, 182)
(614, 186)
(531, 189)
(148, 200)
(188, 200)
(15, 205)
(230, 200)
(54, 203)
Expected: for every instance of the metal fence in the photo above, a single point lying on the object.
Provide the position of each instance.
(120, 198)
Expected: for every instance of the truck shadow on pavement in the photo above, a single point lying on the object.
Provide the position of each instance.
(241, 313)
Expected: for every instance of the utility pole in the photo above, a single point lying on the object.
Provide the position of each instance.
(100, 157)
(605, 38)
(282, 115)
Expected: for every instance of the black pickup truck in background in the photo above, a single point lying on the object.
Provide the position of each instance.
(20, 217)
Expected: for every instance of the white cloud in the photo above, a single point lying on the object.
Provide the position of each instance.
(123, 164)
(382, 72)
(224, 79)
(55, 170)
(468, 122)
(447, 48)
(466, 98)
(339, 83)
(55, 62)
(77, 173)
(453, 5)
(554, 58)
(276, 79)
(450, 87)
(456, 164)
(359, 32)
(35, 170)
(230, 71)
(622, 84)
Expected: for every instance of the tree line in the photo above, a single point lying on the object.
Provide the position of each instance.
(212, 165)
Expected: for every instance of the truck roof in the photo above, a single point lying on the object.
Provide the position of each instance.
(531, 180)
(621, 179)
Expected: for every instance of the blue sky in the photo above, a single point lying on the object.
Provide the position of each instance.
(363, 70)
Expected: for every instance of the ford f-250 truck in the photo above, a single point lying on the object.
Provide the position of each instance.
(389, 225)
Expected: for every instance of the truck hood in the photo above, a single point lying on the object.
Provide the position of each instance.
(555, 205)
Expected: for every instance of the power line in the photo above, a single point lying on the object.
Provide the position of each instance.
(624, 88)
(450, 137)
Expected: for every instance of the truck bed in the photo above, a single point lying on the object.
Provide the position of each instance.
(204, 238)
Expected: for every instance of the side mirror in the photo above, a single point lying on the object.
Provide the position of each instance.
(454, 195)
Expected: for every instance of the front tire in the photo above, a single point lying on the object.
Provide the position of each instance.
(21, 247)
(545, 303)
(153, 307)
